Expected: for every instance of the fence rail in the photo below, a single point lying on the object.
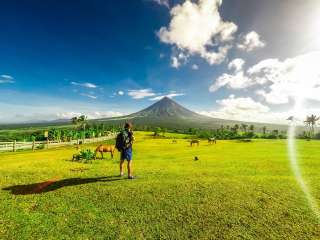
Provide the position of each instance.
(14, 146)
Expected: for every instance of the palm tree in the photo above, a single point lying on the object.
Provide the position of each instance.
(83, 120)
(311, 121)
(244, 127)
(74, 120)
(264, 130)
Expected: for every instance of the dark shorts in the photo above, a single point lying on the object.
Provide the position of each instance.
(126, 154)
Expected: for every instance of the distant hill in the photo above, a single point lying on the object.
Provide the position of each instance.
(165, 113)
(168, 113)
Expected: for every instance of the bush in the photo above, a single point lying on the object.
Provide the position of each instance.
(41, 146)
(85, 156)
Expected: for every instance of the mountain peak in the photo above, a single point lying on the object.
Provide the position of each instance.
(166, 108)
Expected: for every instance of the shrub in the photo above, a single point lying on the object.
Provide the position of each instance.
(41, 146)
(85, 156)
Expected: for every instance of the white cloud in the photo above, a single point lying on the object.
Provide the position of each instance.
(161, 55)
(86, 85)
(236, 64)
(4, 76)
(242, 105)
(195, 67)
(175, 62)
(6, 79)
(196, 27)
(141, 93)
(90, 115)
(246, 109)
(89, 95)
(170, 95)
(297, 77)
(235, 81)
(121, 93)
(162, 3)
(251, 41)
(178, 59)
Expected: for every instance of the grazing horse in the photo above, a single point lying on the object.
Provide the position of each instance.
(194, 142)
(212, 140)
(105, 148)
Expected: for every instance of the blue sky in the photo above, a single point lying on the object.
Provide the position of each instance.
(106, 58)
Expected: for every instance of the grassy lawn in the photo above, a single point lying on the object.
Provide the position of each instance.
(235, 191)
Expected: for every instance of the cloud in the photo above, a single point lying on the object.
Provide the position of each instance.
(6, 79)
(197, 28)
(297, 77)
(246, 109)
(251, 41)
(234, 81)
(236, 64)
(162, 3)
(85, 85)
(170, 95)
(175, 62)
(89, 95)
(141, 93)
(161, 55)
(90, 115)
(178, 59)
(195, 67)
(121, 93)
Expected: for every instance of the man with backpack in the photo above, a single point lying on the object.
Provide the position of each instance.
(124, 143)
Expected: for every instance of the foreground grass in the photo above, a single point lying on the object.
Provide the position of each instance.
(235, 191)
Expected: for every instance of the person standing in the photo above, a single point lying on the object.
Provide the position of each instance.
(124, 143)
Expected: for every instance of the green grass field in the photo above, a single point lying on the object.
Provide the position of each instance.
(235, 191)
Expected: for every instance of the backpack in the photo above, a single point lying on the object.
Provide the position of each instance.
(122, 140)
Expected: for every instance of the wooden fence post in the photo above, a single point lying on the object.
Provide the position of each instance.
(14, 145)
(33, 145)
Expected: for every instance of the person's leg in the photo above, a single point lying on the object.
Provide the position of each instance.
(121, 167)
(129, 168)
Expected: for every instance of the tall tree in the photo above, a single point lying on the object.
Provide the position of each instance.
(244, 127)
(264, 130)
(311, 122)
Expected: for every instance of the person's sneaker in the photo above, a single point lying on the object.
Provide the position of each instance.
(131, 177)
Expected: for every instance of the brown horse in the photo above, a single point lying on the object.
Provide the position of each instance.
(194, 142)
(212, 140)
(105, 148)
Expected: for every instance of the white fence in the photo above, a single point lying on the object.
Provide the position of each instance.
(14, 146)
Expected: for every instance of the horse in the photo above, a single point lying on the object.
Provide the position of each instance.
(194, 142)
(104, 148)
(212, 140)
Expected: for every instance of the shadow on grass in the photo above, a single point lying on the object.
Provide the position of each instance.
(54, 184)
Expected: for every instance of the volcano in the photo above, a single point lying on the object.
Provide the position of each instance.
(166, 108)
(170, 114)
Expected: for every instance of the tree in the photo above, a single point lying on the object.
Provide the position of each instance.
(244, 127)
(157, 131)
(264, 130)
(311, 121)
(164, 130)
(83, 121)
(251, 128)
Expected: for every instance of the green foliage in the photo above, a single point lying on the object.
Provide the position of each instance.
(84, 156)
(41, 146)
